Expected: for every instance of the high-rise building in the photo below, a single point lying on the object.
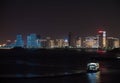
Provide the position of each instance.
(19, 41)
(78, 42)
(91, 42)
(51, 44)
(71, 40)
(43, 43)
(102, 39)
(112, 42)
(47, 42)
(33, 41)
(59, 43)
(38, 41)
(66, 43)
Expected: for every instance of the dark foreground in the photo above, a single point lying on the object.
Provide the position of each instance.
(56, 66)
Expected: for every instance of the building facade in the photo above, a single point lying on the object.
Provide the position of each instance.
(112, 42)
(19, 41)
(33, 41)
(91, 42)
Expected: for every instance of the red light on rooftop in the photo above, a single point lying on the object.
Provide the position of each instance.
(100, 31)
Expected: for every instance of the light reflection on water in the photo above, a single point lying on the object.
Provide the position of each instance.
(44, 73)
(94, 77)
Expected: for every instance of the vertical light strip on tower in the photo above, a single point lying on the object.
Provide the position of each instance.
(104, 39)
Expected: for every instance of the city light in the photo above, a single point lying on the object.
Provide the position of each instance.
(100, 31)
(98, 41)
(3, 45)
(66, 40)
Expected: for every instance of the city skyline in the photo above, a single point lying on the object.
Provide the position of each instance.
(35, 41)
(98, 33)
(57, 18)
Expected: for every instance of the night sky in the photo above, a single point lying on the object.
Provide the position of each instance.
(57, 18)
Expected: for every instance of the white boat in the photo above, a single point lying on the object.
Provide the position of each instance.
(93, 67)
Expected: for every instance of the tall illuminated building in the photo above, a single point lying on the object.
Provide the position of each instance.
(48, 43)
(91, 42)
(112, 42)
(19, 41)
(116, 43)
(78, 42)
(33, 41)
(59, 43)
(51, 44)
(102, 39)
(66, 43)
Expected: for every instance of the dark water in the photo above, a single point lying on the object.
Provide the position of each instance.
(23, 71)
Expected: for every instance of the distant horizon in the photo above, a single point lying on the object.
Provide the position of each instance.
(43, 37)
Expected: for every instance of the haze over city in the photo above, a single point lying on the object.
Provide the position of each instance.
(57, 18)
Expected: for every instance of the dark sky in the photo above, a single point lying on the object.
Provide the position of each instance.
(57, 18)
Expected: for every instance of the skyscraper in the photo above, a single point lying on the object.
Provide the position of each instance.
(19, 41)
(71, 39)
(102, 39)
(91, 42)
(78, 42)
(33, 41)
(112, 42)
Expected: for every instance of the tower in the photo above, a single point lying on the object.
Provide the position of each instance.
(19, 41)
(102, 39)
(33, 41)
(71, 40)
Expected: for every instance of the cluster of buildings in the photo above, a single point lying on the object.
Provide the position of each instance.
(35, 41)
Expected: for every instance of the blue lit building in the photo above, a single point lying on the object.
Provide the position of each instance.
(19, 41)
(33, 41)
